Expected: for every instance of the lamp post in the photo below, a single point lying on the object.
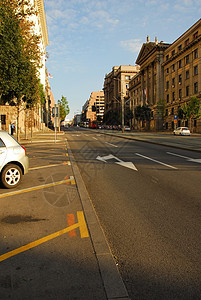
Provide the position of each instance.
(122, 104)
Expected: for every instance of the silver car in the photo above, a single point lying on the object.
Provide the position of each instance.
(13, 161)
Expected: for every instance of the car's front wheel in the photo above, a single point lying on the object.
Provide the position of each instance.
(11, 176)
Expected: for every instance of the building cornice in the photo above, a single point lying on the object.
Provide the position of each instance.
(42, 16)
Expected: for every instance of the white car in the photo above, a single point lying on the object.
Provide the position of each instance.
(13, 161)
(182, 131)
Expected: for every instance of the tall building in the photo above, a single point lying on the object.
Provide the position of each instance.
(93, 109)
(116, 89)
(170, 74)
(182, 76)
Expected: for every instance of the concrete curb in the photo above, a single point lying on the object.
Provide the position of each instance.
(112, 281)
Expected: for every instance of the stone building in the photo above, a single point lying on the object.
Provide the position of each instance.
(147, 87)
(169, 74)
(93, 109)
(116, 89)
(182, 76)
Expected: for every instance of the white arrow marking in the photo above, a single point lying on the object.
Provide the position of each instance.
(196, 160)
(120, 162)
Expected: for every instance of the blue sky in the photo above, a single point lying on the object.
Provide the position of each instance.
(88, 37)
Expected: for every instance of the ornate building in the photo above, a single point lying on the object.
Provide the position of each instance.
(116, 87)
(182, 76)
(170, 74)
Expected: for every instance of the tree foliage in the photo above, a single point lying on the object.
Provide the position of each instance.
(142, 113)
(19, 54)
(63, 108)
(190, 110)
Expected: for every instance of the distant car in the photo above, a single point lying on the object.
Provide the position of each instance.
(126, 128)
(13, 161)
(182, 131)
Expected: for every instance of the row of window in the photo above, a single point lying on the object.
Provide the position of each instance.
(195, 91)
(186, 61)
(187, 76)
(186, 43)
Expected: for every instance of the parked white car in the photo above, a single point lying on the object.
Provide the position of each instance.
(182, 131)
(13, 161)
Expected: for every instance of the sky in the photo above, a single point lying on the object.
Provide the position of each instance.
(88, 37)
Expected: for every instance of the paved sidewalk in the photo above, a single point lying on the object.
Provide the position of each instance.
(105, 272)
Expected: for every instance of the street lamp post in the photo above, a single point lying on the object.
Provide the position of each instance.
(122, 104)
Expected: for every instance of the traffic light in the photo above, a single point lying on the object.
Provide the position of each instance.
(53, 111)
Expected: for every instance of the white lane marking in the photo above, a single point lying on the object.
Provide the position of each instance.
(157, 161)
(196, 160)
(111, 144)
(95, 138)
(120, 162)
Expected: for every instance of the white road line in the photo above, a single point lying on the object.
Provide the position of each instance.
(95, 138)
(111, 144)
(159, 162)
(178, 155)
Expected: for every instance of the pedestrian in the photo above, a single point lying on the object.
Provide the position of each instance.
(12, 128)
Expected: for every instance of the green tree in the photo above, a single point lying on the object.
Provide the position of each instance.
(19, 56)
(142, 113)
(63, 108)
(191, 110)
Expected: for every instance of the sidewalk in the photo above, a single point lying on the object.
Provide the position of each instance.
(107, 282)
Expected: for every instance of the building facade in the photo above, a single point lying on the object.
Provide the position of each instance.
(170, 74)
(116, 91)
(93, 109)
(182, 76)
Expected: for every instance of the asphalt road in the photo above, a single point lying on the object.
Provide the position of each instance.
(147, 198)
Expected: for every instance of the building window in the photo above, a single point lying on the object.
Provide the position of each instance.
(172, 111)
(173, 96)
(179, 63)
(127, 85)
(167, 71)
(167, 85)
(173, 52)
(187, 91)
(180, 47)
(166, 112)
(173, 82)
(187, 74)
(195, 35)
(167, 57)
(180, 79)
(187, 59)
(196, 70)
(3, 119)
(196, 54)
(167, 98)
(173, 67)
(180, 94)
(195, 87)
(186, 42)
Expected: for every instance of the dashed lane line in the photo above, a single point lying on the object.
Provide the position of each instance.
(39, 187)
(111, 144)
(157, 161)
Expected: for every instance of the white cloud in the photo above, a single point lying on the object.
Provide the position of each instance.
(132, 45)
